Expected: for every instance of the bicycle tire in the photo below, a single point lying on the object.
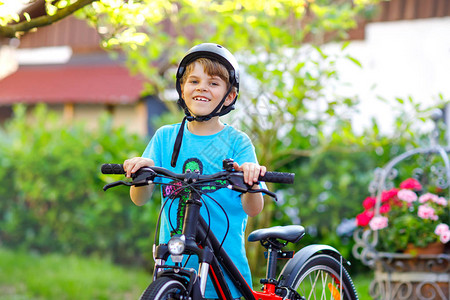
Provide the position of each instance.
(164, 288)
(320, 277)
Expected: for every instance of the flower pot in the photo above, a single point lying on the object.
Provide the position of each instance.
(432, 248)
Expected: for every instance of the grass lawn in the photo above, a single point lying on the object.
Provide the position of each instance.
(25, 276)
(362, 283)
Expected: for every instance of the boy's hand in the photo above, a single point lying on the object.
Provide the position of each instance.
(251, 172)
(133, 164)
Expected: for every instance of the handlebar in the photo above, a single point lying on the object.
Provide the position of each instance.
(234, 179)
(275, 177)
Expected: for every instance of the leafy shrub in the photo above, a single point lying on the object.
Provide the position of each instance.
(52, 197)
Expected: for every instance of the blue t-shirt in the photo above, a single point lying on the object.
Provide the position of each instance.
(205, 154)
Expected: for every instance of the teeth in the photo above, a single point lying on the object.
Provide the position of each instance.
(201, 99)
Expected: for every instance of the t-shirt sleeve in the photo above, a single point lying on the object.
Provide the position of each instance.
(153, 149)
(245, 152)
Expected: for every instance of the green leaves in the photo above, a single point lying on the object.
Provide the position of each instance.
(50, 8)
(53, 198)
(27, 16)
(354, 60)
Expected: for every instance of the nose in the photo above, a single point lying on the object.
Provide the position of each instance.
(201, 87)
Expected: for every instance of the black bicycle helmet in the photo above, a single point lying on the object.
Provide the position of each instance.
(214, 52)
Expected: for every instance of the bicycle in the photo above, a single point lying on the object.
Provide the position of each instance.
(314, 272)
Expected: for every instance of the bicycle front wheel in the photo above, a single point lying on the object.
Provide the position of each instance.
(323, 277)
(164, 288)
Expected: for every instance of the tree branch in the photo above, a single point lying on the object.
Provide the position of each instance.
(14, 30)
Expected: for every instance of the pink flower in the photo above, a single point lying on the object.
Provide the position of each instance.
(441, 228)
(428, 197)
(441, 201)
(363, 218)
(407, 195)
(411, 184)
(385, 208)
(426, 212)
(378, 223)
(445, 237)
(388, 195)
(369, 203)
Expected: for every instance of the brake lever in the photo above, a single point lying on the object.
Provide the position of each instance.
(116, 183)
(267, 192)
(140, 178)
(237, 184)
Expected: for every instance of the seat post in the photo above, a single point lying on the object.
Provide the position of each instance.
(270, 282)
(272, 258)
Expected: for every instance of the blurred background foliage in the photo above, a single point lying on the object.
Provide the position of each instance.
(52, 197)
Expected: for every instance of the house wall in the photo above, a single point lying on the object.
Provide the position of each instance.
(401, 59)
(132, 117)
(69, 31)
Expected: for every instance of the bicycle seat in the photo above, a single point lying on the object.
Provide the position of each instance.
(290, 233)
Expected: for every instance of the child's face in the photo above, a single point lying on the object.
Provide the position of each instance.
(202, 92)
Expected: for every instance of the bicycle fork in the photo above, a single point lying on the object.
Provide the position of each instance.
(162, 251)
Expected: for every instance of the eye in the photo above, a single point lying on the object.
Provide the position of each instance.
(216, 82)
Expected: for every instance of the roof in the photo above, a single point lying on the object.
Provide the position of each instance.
(109, 84)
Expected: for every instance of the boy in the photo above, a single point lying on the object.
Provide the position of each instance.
(208, 86)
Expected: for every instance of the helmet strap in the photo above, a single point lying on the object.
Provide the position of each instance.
(216, 112)
(178, 140)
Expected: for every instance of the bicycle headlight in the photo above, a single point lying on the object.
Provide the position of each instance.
(176, 244)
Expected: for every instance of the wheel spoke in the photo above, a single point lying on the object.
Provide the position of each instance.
(322, 277)
(324, 282)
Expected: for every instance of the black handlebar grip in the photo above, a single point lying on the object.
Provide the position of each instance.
(113, 169)
(278, 177)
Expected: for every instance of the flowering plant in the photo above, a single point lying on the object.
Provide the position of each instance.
(407, 215)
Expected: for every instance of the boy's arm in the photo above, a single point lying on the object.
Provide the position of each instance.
(252, 203)
(139, 195)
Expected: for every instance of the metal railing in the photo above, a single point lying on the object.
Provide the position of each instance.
(406, 276)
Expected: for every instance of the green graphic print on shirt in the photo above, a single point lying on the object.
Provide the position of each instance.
(173, 190)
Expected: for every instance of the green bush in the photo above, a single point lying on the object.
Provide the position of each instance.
(52, 197)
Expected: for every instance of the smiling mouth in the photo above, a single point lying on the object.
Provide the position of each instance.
(201, 99)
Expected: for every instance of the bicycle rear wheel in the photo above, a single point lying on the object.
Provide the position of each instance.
(323, 277)
(164, 288)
